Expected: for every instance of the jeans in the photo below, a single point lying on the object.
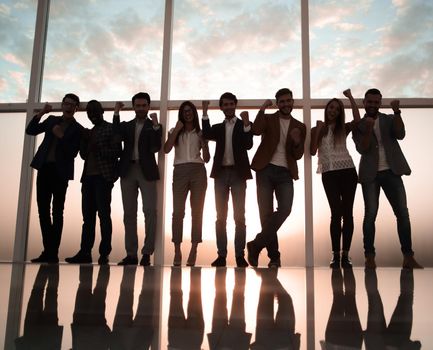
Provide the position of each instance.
(340, 188)
(96, 198)
(50, 186)
(129, 185)
(393, 188)
(229, 181)
(273, 179)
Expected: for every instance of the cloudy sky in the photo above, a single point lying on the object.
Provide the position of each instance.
(110, 49)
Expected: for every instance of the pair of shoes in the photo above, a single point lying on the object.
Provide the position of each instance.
(128, 260)
(103, 260)
(177, 260)
(275, 263)
(370, 262)
(409, 262)
(40, 259)
(219, 262)
(192, 257)
(253, 254)
(241, 262)
(79, 258)
(346, 262)
(335, 262)
(145, 260)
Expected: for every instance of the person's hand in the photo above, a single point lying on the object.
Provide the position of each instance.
(395, 105)
(58, 131)
(295, 134)
(205, 106)
(46, 109)
(118, 106)
(320, 124)
(154, 118)
(245, 118)
(347, 93)
(266, 104)
(179, 126)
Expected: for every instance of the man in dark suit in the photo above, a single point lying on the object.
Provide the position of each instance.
(138, 171)
(230, 170)
(54, 161)
(282, 145)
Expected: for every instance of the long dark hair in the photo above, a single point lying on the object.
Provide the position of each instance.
(340, 122)
(195, 121)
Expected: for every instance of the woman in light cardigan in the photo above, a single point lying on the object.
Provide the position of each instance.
(189, 176)
(339, 175)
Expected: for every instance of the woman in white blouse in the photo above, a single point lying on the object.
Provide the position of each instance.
(189, 176)
(339, 175)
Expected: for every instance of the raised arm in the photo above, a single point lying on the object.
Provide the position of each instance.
(35, 127)
(355, 109)
(172, 135)
(315, 137)
(398, 125)
(259, 125)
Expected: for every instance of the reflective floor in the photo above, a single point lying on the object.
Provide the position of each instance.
(113, 307)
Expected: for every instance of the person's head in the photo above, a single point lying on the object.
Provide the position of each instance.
(334, 115)
(372, 102)
(188, 114)
(141, 104)
(228, 103)
(70, 104)
(95, 112)
(284, 99)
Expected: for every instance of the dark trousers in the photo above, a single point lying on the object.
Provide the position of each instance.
(96, 198)
(50, 187)
(340, 188)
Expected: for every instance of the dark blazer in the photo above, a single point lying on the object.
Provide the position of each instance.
(67, 147)
(390, 133)
(241, 142)
(149, 143)
(268, 125)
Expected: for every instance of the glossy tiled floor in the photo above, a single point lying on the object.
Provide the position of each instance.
(112, 307)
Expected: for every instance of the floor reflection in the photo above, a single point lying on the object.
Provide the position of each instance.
(113, 307)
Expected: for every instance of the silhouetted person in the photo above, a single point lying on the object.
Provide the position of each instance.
(343, 330)
(89, 327)
(137, 332)
(278, 332)
(41, 328)
(229, 333)
(185, 332)
(397, 335)
(100, 150)
(138, 171)
(54, 161)
(382, 165)
(230, 171)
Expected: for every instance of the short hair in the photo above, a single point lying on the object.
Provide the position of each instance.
(95, 105)
(227, 96)
(283, 91)
(372, 91)
(73, 97)
(144, 95)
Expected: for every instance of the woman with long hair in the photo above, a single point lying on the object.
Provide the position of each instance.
(339, 175)
(189, 176)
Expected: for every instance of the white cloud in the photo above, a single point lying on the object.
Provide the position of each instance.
(12, 58)
(5, 10)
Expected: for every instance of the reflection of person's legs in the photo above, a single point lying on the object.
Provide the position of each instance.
(394, 190)
(333, 332)
(238, 188)
(129, 188)
(352, 324)
(221, 203)
(195, 321)
(370, 191)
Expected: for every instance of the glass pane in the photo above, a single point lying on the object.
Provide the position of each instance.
(105, 50)
(291, 233)
(12, 138)
(385, 44)
(17, 29)
(419, 191)
(252, 48)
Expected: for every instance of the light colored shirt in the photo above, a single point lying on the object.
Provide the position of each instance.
(228, 158)
(279, 158)
(187, 149)
(333, 157)
(383, 164)
(138, 127)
